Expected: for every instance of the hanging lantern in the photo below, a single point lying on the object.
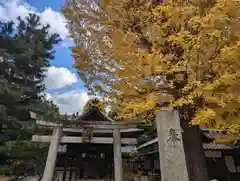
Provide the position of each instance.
(102, 155)
(84, 155)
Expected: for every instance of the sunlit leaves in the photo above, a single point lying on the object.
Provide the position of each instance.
(94, 102)
(185, 54)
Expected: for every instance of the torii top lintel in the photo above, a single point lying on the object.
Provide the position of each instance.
(93, 117)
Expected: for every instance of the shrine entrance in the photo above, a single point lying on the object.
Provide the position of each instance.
(86, 148)
(93, 165)
(85, 161)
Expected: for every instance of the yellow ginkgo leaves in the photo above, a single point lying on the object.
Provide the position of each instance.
(178, 53)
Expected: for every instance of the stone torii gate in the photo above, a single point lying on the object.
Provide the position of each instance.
(105, 124)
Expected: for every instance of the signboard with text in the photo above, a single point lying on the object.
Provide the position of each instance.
(87, 134)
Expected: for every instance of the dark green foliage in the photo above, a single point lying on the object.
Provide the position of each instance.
(149, 132)
(23, 158)
(25, 51)
(26, 54)
(47, 109)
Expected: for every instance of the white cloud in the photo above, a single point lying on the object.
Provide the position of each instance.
(69, 102)
(11, 9)
(59, 77)
(56, 21)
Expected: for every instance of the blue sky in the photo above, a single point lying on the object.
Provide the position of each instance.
(63, 85)
(42, 4)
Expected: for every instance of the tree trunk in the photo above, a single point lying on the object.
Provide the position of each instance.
(195, 158)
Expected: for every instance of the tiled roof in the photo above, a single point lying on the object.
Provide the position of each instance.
(206, 146)
(213, 135)
(205, 131)
(213, 146)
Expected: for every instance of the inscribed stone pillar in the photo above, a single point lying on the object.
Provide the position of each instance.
(118, 170)
(171, 151)
(52, 154)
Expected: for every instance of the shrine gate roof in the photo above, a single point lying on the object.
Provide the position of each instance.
(94, 114)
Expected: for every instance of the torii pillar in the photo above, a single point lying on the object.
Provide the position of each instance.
(117, 152)
(52, 154)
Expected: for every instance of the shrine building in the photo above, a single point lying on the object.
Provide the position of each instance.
(88, 148)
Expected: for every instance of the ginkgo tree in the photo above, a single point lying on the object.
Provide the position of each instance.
(145, 54)
(184, 53)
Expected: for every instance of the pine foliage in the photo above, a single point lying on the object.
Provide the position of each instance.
(25, 51)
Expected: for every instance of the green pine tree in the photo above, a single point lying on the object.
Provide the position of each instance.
(25, 52)
(26, 49)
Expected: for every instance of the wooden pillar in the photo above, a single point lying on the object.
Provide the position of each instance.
(152, 166)
(65, 167)
(52, 154)
(171, 151)
(71, 168)
(110, 170)
(118, 170)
